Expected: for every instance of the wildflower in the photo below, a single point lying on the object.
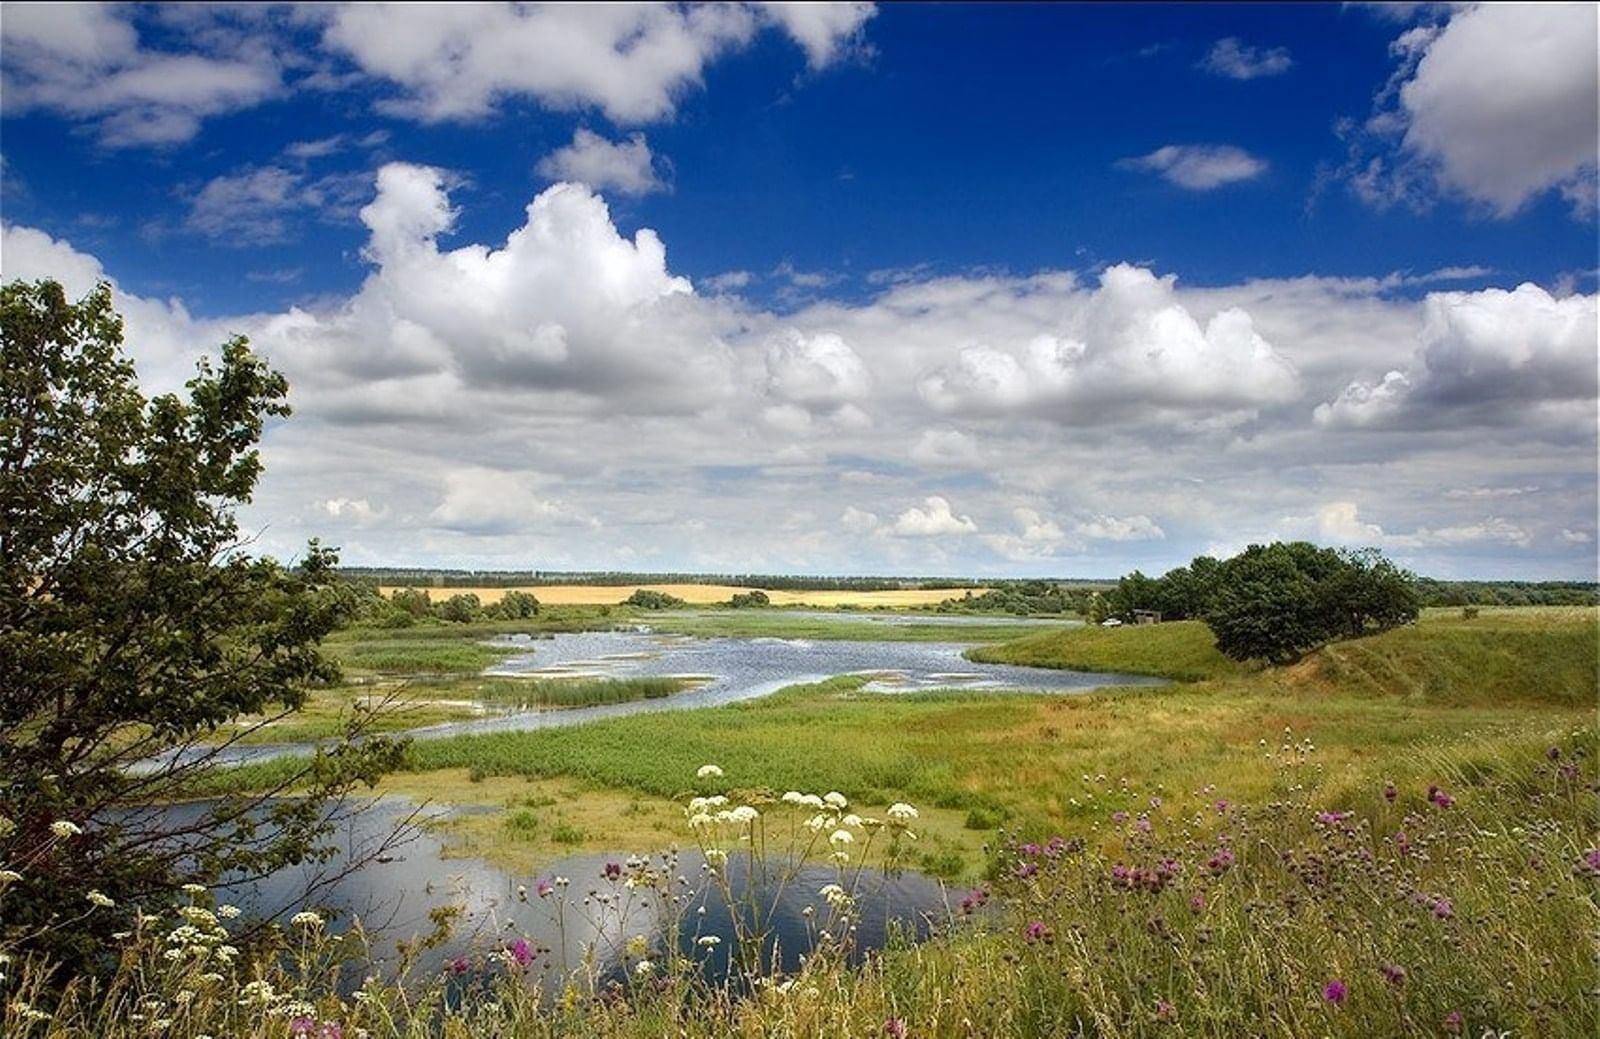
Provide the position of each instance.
(638, 945)
(459, 965)
(743, 815)
(1025, 870)
(194, 889)
(97, 899)
(1591, 861)
(793, 797)
(700, 821)
(301, 1026)
(1394, 974)
(709, 941)
(1443, 908)
(1553, 753)
(1036, 931)
(1166, 1013)
(1197, 904)
(717, 858)
(901, 813)
(708, 772)
(330, 1030)
(307, 919)
(839, 838)
(1222, 809)
(1390, 793)
(612, 870)
(1142, 824)
(895, 1028)
(521, 952)
(1220, 862)
(1439, 798)
(643, 968)
(522, 892)
(228, 912)
(1119, 817)
(1334, 992)
(836, 799)
(1452, 1022)
(853, 821)
(65, 828)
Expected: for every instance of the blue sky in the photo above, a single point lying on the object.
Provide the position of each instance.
(944, 288)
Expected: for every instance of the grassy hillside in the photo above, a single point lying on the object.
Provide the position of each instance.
(1183, 650)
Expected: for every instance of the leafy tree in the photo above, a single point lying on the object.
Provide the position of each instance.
(460, 608)
(517, 605)
(649, 599)
(133, 625)
(756, 597)
(1277, 601)
(412, 601)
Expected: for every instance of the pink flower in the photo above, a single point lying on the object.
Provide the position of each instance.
(612, 871)
(1037, 931)
(1197, 903)
(1334, 992)
(1166, 1013)
(1222, 809)
(1394, 974)
(459, 965)
(1591, 861)
(1119, 817)
(302, 1025)
(895, 1028)
(521, 952)
(1440, 798)
(544, 887)
(1453, 1022)
(331, 1030)
(1443, 909)
(1220, 862)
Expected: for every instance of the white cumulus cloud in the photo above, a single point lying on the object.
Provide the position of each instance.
(934, 519)
(1199, 167)
(626, 166)
(1236, 59)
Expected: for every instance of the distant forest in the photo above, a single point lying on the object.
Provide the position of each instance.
(1433, 592)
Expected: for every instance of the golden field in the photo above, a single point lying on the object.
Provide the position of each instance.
(699, 594)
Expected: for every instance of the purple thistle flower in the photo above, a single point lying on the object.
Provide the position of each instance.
(521, 952)
(1591, 860)
(895, 1028)
(1119, 817)
(1142, 823)
(1036, 931)
(1443, 908)
(1394, 974)
(1453, 1022)
(1334, 992)
(331, 1030)
(1197, 903)
(1222, 807)
(301, 1026)
(612, 870)
(1220, 862)
(459, 965)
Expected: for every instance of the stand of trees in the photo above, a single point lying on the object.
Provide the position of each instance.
(407, 606)
(1275, 602)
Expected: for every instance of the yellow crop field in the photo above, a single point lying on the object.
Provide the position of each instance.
(701, 594)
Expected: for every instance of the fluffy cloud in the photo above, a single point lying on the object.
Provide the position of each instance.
(934, 520)
(816, 371)
(86, 62)
(1133, 351)
(1236, 59)
(257, 206)
(626, 166)
(458, 61)
(1484, 357)
(1199, 167)
(559, 396)
(1341, 522)
(824, 31)
(1499, 105)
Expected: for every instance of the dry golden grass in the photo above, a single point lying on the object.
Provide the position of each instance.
(699, 595)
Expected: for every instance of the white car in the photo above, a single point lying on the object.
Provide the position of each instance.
(1111, 622)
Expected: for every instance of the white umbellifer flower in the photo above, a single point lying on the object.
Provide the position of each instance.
(836, 799)
(744, 815)
(840, 838)
(900, 812)
(97, 899)
(708, 772)
(710, 940)
(811, 801)
(794, 797)
(835, 895)
(9, 876)
(227, 912)
(643, 968)
(65, 828)
(306, 918)
(817, 823)
(194, 889)
(853, 821)
(717, 857)
(700, 821)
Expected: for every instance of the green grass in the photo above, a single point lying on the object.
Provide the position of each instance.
(1183, 650)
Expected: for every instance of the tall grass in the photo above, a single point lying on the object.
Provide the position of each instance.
(1456, 906)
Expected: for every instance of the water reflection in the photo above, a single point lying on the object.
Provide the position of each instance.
(582, 910)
